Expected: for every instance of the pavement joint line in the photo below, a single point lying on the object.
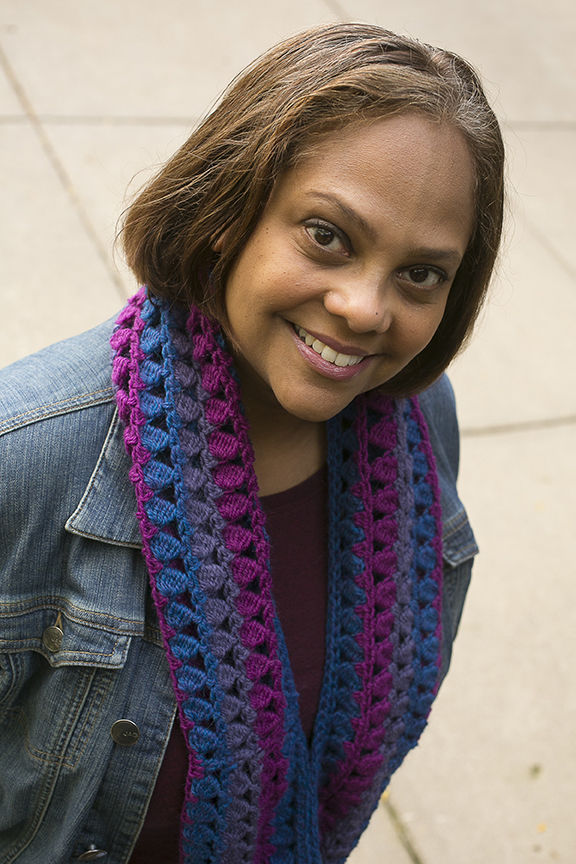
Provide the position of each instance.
(402, 832)
(60, 171)
(522, 426)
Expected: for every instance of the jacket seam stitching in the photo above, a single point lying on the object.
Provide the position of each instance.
(73, 757)
(70, 525)
(56, 409)
(45, 603)
(76, 653)
(126, 544)
(464, 553)
(45, 756)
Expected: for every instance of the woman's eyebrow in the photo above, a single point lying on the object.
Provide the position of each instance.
(346, 210)
(451, 256)
(429, 253)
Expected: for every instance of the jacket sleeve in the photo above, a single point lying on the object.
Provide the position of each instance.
(79, 646)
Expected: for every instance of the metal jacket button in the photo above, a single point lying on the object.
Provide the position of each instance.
(92, 854)
(52, 638)
(125, 733)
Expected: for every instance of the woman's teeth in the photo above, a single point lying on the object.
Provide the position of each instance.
(325, 351)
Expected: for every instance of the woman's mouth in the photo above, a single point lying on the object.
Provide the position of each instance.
(327, 361)
(327, 353)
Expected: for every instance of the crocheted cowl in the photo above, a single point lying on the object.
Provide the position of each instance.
(256, 792)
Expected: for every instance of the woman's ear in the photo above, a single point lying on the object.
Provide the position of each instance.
(218, 244)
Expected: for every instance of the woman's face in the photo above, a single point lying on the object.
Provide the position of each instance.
(346, 275)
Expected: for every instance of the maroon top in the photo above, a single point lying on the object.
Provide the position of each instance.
(297, 525)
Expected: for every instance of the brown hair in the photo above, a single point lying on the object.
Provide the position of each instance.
(312, 83)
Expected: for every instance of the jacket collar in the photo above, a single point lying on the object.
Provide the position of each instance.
(108, 506)
(107, 509)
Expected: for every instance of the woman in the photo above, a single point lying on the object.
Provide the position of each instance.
(314, 255)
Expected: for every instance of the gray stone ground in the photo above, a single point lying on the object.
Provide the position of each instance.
(95, 92)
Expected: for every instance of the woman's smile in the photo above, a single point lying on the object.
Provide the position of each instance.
(346, 276)
(328, 358)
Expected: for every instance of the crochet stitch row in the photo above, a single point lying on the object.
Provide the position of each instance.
(255, 793)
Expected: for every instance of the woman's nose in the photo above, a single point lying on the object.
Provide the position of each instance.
(365, 303)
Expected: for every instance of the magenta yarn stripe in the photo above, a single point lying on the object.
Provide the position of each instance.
(130, 325)
(356, 772)
(275, 765)
(215, 375)
(436, 511)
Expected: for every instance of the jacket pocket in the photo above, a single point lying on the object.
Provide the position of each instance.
(52, 694)
(62, 639)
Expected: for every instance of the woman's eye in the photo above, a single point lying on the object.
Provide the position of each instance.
(323, 236)
(326, 237)
(425, 277)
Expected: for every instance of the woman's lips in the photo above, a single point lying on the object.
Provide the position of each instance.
(326, 359)
(327, 351)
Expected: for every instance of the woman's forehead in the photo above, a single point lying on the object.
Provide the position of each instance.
(386, 166)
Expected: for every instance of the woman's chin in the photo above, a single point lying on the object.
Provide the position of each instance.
(316, 408)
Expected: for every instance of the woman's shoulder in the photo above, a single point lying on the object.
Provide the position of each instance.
(64, 465)
(63, 378)
(438, 406)
(57, 427)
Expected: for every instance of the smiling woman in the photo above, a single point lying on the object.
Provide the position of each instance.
(358, 245)
(232, 587)
(272, 117)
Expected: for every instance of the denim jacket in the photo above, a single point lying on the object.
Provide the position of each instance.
(80, 647)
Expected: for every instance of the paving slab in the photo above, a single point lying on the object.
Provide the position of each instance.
(493, 778)
(52, 281)
(141, 57)
(521, 363)
(544, 185)
(9, 104)
(106, 165)
(380, 843)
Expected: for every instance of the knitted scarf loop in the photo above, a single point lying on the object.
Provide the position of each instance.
(256, 791)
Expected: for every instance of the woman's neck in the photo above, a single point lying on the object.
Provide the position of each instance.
(287, 449)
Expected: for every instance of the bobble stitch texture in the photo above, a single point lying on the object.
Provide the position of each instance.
(254, 791)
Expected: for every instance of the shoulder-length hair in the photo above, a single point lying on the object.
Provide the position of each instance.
(317, 81)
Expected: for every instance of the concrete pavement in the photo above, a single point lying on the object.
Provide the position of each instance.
(96, 92)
